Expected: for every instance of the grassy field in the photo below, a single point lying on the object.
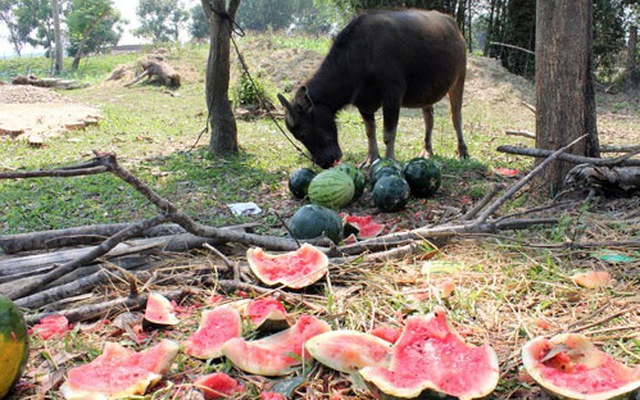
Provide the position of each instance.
(509, 286)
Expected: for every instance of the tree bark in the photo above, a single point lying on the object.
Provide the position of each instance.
(224, 132)
(58, 36)
(632, 45)
(85, 37)
(564, 82)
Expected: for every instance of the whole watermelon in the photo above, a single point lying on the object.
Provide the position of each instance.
(423, 176)
(14, 344)
(382, 167)
(391, 193)
(312, 221)
(299, 182)
(332, 188)
(356, 175)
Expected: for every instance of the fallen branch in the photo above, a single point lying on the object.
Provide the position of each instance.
(609, 179)
(572, 158)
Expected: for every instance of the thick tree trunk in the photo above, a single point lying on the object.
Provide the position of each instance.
(224, 133)
(564, 82)
(58, 36)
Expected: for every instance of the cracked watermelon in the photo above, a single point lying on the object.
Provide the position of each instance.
(218, 385)
(569, 366)
(159, 311)
(430, 358)
(348, 351)
(295, 269)
(277, 354)
(216, 327)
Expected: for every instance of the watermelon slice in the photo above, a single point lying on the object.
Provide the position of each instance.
(267, 315)
(277, 354)
(218, 385)
(431, 358)
(216, 327)
(386, 332)
(119, 372)
(52, 326)
(294, 269)
(348, 351)
(571, 367)
(366, 226)
(159, 311)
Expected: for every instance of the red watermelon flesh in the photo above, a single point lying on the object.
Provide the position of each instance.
(119, 372)
(218, 385)
(386, 332)
(216, 327)
(277, 354)
(160, 311)
(294, 269)
(570, 365)
(260, 311)
(367, 227)
(430, 355)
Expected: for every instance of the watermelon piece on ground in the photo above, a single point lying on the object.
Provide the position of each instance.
(159, 311)
(51, 326)
(571, 367)
(216, 327)
(119, 372)
(277, 354)
(366, 226)
(218, 385)
(386, 332)
(295, 269)
(430, 357)
(348, 351)
(267, 314)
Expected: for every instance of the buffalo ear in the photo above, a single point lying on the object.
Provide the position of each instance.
(291, 114)
(303, 100)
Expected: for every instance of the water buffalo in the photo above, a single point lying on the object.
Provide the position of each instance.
(388, 59)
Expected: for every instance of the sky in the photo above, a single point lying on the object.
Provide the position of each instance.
(127, 9)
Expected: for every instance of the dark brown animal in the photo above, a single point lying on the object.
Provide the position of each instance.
(388, 59)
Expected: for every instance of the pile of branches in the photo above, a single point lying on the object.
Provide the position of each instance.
(41, 283)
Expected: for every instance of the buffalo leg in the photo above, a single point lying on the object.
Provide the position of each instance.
(390, 115)
(427, 113)
(369, 120)
(455, 99)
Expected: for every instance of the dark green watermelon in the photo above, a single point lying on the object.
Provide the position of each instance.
(423, 176)
(313, 220)
(382, 167)
(356, 175)
(299, 182)
(391, 193)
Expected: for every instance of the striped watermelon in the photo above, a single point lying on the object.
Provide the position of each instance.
(332, 188)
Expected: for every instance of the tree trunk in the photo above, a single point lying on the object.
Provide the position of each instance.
(564, 83)
(224, 133)
(632, 45)
(86, 35)
(57, 35)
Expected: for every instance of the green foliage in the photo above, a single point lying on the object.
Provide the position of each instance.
(35, 22)
(246, 93)
(198, 26)
(160, 20)
(97, 21)
(608, 36)
(306, 15)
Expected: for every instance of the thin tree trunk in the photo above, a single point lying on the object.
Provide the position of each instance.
(85, 36)
(564, 82)
(632, 47)
(58, 36)
(224, 133)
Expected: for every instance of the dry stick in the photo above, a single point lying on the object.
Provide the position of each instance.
(98, 251)
(520, 184)
(495, 188)
(572, 158)
(105, 309)
(603, 148)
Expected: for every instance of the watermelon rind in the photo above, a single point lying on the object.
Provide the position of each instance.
(216, 327)
(356, 175)
(294, 269)
(266, 315)
(391, 193)
(14, 344)
(331, 188)
(583, 353)
(218, 385)
(312, 221)
(278, 354)
(431, 359)
(299, 182)
(159, 312)
(423, 176)
(348, 350)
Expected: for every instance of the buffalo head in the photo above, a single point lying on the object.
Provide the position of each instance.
(314, 125)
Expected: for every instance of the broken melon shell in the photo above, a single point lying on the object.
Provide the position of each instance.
(277, 354)
(295, 269)
(266, 315)
(119, 372)
(569, 366)
(218, 385)
(431, 359)
(216, 327)
(348, 351)
(159, 312)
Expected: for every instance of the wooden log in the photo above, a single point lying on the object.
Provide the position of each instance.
(572, 158)
(607, 179)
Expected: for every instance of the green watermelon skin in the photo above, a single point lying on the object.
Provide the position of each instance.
(380, 163)
(14, 344)
(299, 182)
(356, 175)
(391, 193)
(312, 221)
(423, 176)
(332, 188)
